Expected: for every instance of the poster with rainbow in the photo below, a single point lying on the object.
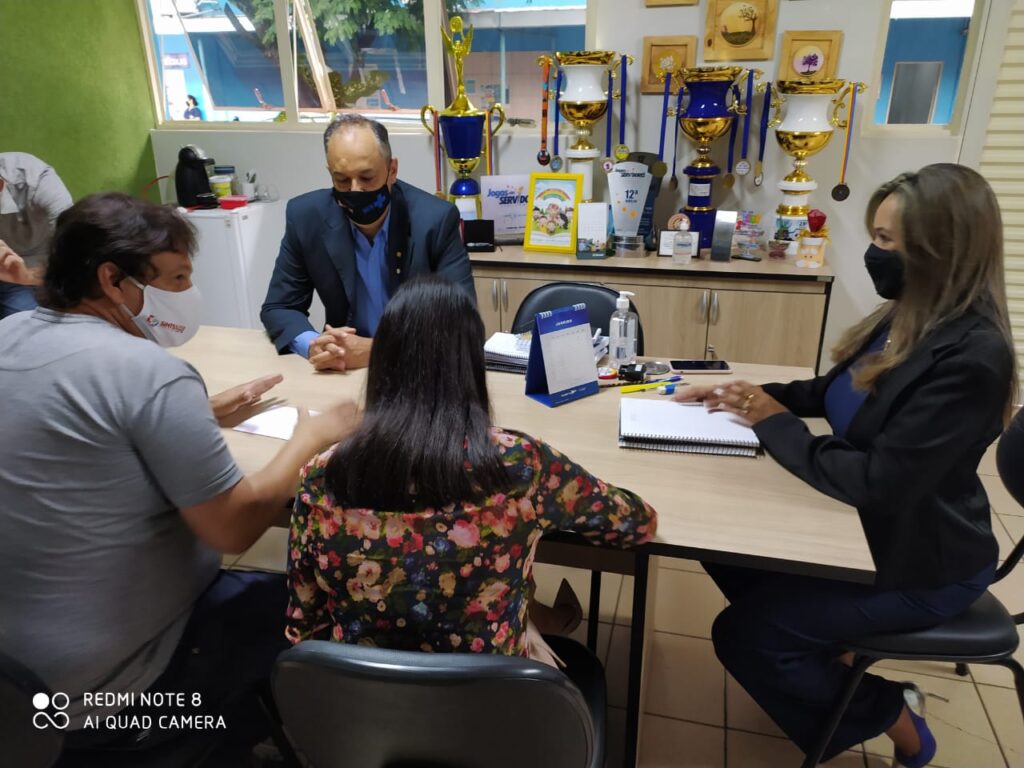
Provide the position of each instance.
(551, 212)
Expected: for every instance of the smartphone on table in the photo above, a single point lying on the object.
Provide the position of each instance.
(700, 366)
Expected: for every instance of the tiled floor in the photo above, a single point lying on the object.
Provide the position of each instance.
(698, 717)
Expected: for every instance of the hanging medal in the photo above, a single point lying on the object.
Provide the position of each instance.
(728, 180)
(607, 164)
(659, 169)
(841, 191)
(556, 160)
(621, 150)
(743, 166)
(545, 72)
(674, 182)
(766, 109)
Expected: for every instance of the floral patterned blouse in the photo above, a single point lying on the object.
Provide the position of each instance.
(445, 579)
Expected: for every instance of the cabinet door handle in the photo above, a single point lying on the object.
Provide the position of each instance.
(714, 308)
(702, 308)
(494, 294)
(504, 295)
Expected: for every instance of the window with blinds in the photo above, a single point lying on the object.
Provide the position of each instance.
(1002, 163)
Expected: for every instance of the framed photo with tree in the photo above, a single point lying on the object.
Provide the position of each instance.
(666, 52)
(740, 30)
(810, 55)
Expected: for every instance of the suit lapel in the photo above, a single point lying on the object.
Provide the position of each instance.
(399, 255)
(868, 420)
(340, 248)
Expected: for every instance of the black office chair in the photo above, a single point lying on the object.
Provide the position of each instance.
(600, 301)
(376, 708)
(985, 633)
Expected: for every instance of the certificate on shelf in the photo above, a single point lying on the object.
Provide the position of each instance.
(503, 201)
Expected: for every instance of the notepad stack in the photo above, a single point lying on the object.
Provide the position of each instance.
(509, 352)
(661, 425)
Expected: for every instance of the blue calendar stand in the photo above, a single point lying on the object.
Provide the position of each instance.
(561, 366)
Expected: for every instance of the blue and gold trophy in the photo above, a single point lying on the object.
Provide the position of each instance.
(707, 116)
(461, 127)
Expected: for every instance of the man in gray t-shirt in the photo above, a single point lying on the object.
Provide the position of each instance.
(113, 436)
(118, 494)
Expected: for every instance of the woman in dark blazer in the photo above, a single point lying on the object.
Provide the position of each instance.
(921, 388)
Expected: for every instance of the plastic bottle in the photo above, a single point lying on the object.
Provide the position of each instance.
(622, 332)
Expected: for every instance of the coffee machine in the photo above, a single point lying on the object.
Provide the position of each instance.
(192, 178)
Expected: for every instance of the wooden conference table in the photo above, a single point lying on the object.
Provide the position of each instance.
(715, 508)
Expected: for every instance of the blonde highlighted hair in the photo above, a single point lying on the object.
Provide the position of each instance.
(953, 238)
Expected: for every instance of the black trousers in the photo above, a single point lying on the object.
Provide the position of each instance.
(780, 638)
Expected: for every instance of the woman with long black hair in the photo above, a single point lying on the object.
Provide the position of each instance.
(418, 531)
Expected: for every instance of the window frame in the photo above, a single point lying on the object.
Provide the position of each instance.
(433, 15)
(968, 73)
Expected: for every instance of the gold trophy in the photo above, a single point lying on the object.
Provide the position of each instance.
(583, 100)
(706, 116)
(461, 125)
(811, 115)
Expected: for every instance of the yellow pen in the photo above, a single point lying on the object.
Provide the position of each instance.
(651, 385)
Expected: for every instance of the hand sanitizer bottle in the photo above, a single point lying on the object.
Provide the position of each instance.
(622, 332)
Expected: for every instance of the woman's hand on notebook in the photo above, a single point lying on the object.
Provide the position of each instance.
(749, 402)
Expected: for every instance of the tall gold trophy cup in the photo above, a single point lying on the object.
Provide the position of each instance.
(805, 117)
(583, 100)
(462, 125)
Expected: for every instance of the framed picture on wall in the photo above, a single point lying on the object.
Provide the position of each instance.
(656, 3)
(551, 212)
(666, 52)
(810, 55)
(740, 30)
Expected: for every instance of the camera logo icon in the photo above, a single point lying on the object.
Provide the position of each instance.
(43, 719)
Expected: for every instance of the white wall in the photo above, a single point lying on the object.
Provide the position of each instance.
(293, 160)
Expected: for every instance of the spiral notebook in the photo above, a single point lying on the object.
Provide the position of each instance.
(662, 425)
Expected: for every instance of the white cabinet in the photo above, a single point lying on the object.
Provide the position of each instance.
(234, 261)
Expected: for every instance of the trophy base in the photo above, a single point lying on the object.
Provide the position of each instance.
(701, 174)
(581, 161)
(702, 221)
(469, 206)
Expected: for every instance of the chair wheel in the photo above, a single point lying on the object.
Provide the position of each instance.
(961, 669)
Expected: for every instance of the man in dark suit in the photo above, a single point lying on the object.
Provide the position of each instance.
(355, 244)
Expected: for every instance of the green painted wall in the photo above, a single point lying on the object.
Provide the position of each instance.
(74, 91)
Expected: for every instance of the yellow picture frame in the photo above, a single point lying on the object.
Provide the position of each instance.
(740, 30)
(682, 48)
(551, 207)
(810, 54)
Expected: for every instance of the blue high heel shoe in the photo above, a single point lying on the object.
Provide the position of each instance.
(915, 700)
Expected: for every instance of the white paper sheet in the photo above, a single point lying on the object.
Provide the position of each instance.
(278, 423)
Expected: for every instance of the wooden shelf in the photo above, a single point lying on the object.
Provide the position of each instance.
(768, 269)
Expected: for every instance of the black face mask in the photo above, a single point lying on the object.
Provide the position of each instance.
(886, 270)
(364, 207)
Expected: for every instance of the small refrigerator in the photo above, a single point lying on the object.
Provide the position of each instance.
(234, 260)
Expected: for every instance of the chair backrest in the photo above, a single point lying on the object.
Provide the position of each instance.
(376, 708)
(600, 301)
(25, 742)
(1010, 464)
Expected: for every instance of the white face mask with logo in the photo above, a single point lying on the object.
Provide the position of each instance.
(169, 318)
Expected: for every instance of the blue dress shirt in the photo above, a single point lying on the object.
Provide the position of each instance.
(371, 294)
(842, 399)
